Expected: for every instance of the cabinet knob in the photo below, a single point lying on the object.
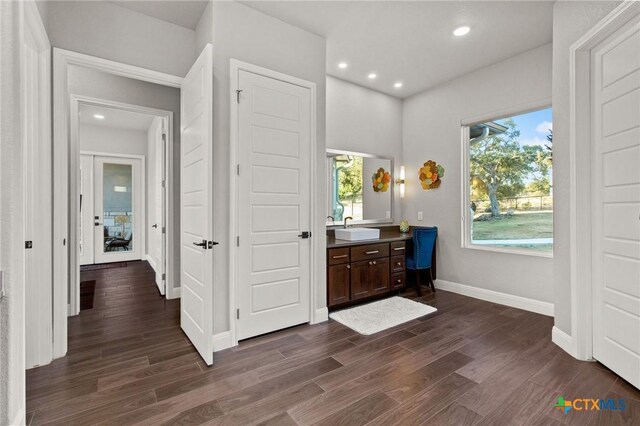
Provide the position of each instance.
(348, 266)
(399, 281)
(399, 263)
(374, 262)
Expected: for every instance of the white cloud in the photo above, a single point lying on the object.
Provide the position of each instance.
(544, 127)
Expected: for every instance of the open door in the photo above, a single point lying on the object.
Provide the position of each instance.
(196, 205)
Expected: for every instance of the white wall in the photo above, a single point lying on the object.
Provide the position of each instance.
(12, 363)
(570, 21)
(106, 30)
(363, 120)
(204, 29)
(112, 140)
(83, 81)
(431, 130)
(243, 33)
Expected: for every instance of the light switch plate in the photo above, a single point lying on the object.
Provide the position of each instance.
(419, 215)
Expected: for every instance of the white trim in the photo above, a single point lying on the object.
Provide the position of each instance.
(532, 305)
(118, 68)
(222, 341)
(20, 417)
(152, 262)
(173, 292)
(235, 67)
(517, 109)
(563, 340)
(320, 315)
(580, 242)
(62, 59)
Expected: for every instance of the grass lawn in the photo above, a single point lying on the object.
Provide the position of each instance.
(519, 226)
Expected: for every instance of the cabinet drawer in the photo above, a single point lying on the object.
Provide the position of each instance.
(338, 256)
(398, 248)
(369, 251)
(398, 280)
(397, 264)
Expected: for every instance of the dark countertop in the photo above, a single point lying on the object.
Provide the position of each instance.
(387, 234)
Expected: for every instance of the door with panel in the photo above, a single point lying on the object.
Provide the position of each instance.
(196, 205)
(274, 189)
(616, 201)
(157, 230)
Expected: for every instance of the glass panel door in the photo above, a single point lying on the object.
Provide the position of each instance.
(117, 209)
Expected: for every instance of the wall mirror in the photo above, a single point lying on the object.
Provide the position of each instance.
(359, 185)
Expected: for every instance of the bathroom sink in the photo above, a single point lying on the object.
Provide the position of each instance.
(357, 234)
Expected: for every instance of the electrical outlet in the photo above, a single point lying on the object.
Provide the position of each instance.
(388, 214)
(419, 215)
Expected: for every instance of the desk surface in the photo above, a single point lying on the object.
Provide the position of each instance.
(387, 235)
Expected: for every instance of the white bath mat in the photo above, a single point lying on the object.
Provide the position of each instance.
(377, 316)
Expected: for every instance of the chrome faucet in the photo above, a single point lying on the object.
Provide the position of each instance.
(333, 219)
(345, 221)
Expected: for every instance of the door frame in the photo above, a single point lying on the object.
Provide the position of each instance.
(65, 172)
(580, 343)
(315, 315)
(74, 216)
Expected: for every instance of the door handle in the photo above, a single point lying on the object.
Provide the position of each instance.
(210, 244)
(155, 225)
(202, 244)
(305, 234)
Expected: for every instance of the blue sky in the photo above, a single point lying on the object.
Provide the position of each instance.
(534, 126)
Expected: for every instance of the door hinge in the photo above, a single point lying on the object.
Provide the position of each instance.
(164, 277)
(164, 183)
(238, 95)
(164, 229)
(238, 169)
(28, 244)
(237, 313)
(1, 286)
(164, 137)
(237, 241)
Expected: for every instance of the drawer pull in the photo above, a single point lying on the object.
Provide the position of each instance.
(372, 252)
(342, 256)
(399, 248)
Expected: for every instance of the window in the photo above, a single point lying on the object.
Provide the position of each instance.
(508, 200)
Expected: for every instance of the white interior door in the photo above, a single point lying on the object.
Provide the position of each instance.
(118, 209)
(616, 202)
(196, 205)
(157, 228)
(86, 210)
(274, 143)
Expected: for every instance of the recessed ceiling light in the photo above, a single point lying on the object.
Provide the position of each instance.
(343, 65)
(98, 116)
(398, 85)
(372, 76)
(460, 31)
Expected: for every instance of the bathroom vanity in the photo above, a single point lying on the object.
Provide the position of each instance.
(361, 270)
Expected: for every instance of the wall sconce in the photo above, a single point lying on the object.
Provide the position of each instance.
(401, 181)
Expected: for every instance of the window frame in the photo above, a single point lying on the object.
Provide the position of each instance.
(465, 124)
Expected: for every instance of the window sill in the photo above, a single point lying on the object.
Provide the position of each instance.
(505, 250)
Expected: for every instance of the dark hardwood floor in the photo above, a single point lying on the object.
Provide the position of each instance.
(472, 362)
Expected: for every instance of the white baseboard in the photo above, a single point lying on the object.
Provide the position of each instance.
(20, 418)
(563, 340)
(173, 293)
(222, 341)
(151, 262)
(532, 305)
(320, 315)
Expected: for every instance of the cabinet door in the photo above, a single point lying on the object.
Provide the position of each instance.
(379, 276)
(360, 284)
(338, 281)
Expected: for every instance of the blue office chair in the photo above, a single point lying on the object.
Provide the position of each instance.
(424, 243)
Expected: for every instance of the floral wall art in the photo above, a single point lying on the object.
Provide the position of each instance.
(430, 175)
(381, 180)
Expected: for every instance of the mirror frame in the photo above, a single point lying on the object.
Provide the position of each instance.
(337, 152)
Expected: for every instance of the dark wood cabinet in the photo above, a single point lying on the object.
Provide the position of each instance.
(338, 279)
(363, 271)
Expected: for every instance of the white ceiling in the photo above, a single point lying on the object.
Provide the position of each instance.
(185, 13)
(412, 42)
(114, 118)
